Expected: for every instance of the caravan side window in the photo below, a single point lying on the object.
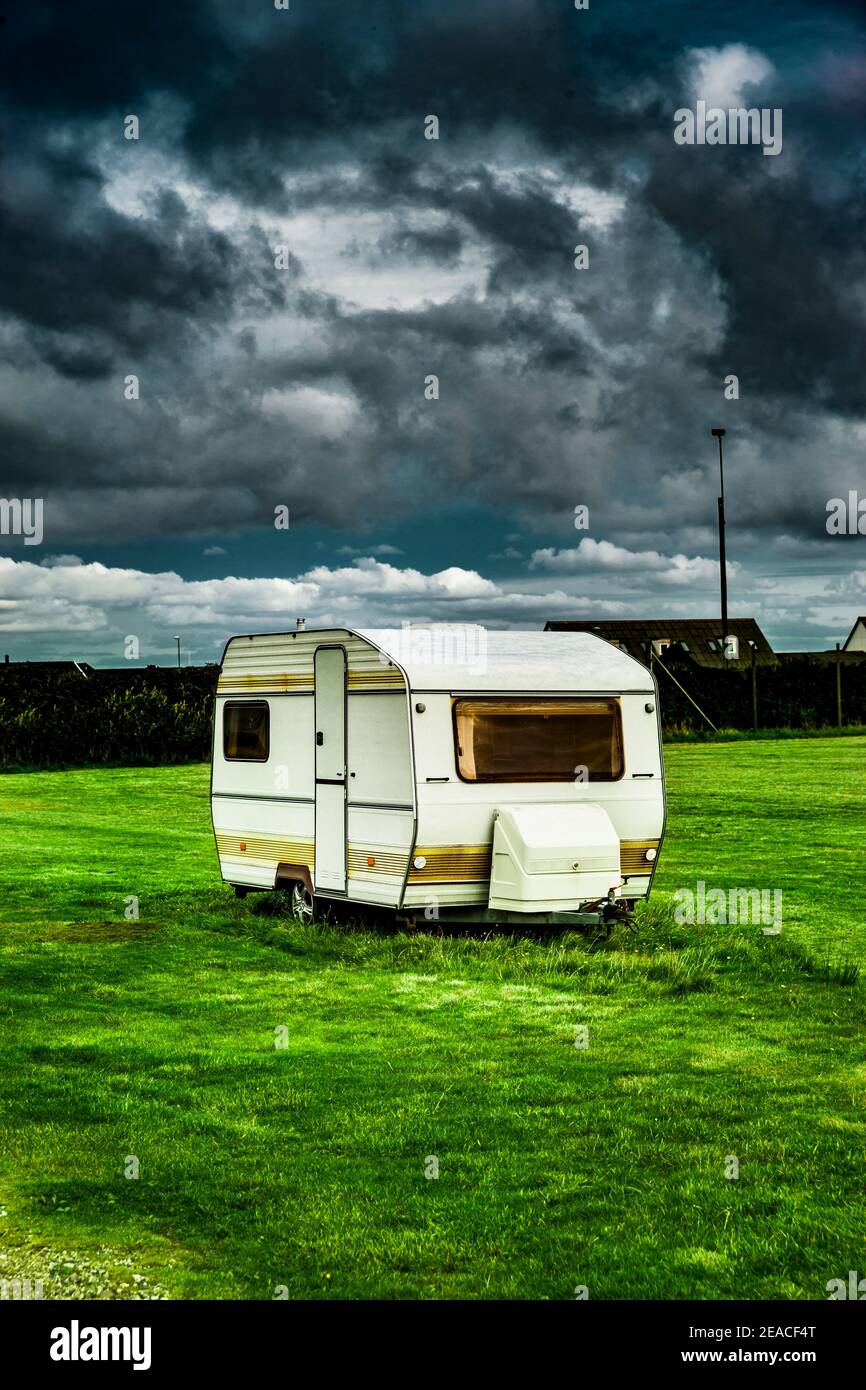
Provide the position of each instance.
(506, 740)
(246, 730)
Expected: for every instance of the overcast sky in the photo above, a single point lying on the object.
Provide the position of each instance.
(283, 260)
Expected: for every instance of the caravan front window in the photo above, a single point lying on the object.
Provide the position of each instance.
(510, 740)
(246, 730)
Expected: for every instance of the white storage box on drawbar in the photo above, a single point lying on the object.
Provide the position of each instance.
(551, 857)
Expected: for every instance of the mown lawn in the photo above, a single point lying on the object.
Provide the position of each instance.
(302, 1167)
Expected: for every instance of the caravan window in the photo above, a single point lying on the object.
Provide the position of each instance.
(246, 730)
(509, 740)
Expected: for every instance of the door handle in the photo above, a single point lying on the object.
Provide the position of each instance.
(320, 739)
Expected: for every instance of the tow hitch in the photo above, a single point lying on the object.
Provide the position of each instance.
(613, 910)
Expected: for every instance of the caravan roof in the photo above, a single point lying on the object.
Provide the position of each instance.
(474, 658)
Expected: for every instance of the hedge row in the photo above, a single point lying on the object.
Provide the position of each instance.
(159, 715)
(795, 693)
(64, 719)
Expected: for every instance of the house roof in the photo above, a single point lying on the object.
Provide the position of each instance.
(45, 666)
(699, 637)
(857, 622)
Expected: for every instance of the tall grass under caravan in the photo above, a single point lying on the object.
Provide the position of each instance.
(449, 774)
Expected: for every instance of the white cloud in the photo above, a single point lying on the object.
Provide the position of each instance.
(87, 610)
(60, 561)
(341, 255)
(369, 576)
(720, 75)
(99, 606)
(594, 556)
(326, 414)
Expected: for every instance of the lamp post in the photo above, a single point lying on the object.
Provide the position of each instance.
(723, 573)
(177, 640)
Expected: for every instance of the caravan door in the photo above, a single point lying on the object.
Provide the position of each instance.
(330, 702)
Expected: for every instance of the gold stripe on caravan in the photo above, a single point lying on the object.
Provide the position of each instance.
(264, 848)
(385, 678)
(273, 681)
(271, 850)
(452, 864)
(388, 863)
(280, 682)
(471, 863)
(632, 856)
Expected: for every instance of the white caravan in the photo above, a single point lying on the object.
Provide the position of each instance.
(448, 773)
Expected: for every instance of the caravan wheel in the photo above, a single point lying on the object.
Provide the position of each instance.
(303, 903)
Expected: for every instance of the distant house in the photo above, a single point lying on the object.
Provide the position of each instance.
(46, 667)
(696, 638)
(856, 639)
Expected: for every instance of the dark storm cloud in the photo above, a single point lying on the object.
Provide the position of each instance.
(260, 83)
(557, 387)
(442, 245)
(794, 270)
(77, 267)
(62, 60)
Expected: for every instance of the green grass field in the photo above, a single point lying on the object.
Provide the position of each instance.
(303, 1167)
